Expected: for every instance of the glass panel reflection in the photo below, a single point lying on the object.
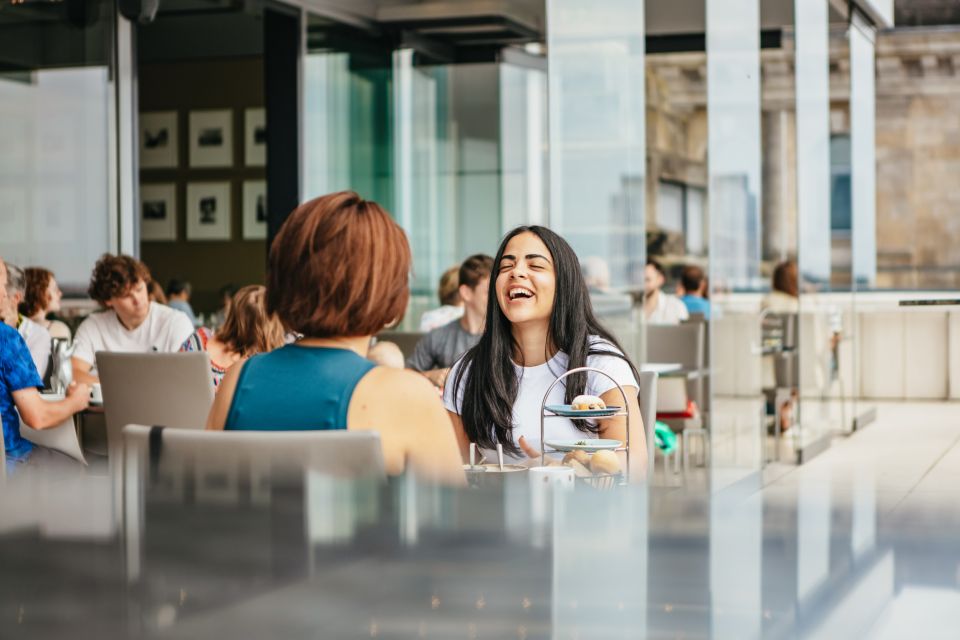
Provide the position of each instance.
(269, 543)
(598, 131)
(823, 313)
(733, 111)
(56, 119)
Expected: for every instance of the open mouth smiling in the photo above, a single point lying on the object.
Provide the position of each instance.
(519, 293)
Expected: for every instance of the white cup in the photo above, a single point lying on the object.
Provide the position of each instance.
(553, 477)
(96, 393)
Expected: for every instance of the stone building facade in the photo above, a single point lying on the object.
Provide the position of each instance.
(918, 151)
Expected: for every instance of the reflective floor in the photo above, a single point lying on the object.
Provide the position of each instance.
(863, 541)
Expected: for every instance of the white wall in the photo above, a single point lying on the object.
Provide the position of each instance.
(54, 171)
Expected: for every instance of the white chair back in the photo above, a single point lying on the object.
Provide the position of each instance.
(165, 389)
(220, 465)
(683, 343)
(647, 399)
(340, 453)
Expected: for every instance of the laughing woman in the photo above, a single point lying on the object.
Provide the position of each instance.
(541, 326)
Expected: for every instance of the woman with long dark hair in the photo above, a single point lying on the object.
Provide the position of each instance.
(539, 325)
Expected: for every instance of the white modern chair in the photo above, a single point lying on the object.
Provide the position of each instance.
(165, 389)
(684, 344)
(215, 462)
(647, 399)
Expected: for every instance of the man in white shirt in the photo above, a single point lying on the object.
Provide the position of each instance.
(130, 323)
(36, 336)
(660, 307)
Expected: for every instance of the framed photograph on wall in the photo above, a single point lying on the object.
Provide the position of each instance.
(208, 211)
(158, 212)
(255, 137)
(211, 138)
(254, 210)
(158, 140)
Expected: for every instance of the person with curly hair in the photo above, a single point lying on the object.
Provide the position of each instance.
(130, 321)
(43, 298)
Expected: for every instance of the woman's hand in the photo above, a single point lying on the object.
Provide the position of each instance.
(527, 449)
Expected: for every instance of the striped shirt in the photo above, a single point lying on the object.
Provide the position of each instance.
(198, 342)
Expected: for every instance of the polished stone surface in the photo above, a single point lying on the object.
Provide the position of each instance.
(863, 541)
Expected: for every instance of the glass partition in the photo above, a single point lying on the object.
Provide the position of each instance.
(523, 149)
(598, 147)
(863, 151)
(863, 177)
(597, 130)
(825, 316)
(422, 183)
(734, 172)
(456, 151)
(347, 119)
(56, 124)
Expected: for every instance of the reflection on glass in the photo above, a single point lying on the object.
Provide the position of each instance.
(813, 536)
(733, 105)
(821, 319)
(863, 170)
(456, 152)
(600, 560)
(523, 156)
(736, 558)
(863, 151)
(597, 130)
(422, 185)
(56, 106)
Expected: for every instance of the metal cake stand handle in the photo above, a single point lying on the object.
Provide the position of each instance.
(544, 416)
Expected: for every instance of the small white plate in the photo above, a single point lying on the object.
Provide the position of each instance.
(567, 411)
(585, 444)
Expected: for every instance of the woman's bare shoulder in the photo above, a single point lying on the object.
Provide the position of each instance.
(392, 386)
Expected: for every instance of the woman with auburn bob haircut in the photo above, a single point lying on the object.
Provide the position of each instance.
(338, 274)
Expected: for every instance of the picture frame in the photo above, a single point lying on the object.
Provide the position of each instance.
(209, 211)
(255, 210)
(158, 212)
(159, 140)
(211, 138)
(255, 137)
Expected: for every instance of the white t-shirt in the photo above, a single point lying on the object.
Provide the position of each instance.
(164, 330)
(670, 310)
(534, 382)
(38, 342)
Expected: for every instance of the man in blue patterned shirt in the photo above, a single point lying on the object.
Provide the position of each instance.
(19, 390)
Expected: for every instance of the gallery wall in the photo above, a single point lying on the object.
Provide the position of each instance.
(195, 199)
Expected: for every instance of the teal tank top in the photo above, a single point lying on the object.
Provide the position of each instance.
(296, 388)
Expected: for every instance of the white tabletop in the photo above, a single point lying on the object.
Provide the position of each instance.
(661, 367)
